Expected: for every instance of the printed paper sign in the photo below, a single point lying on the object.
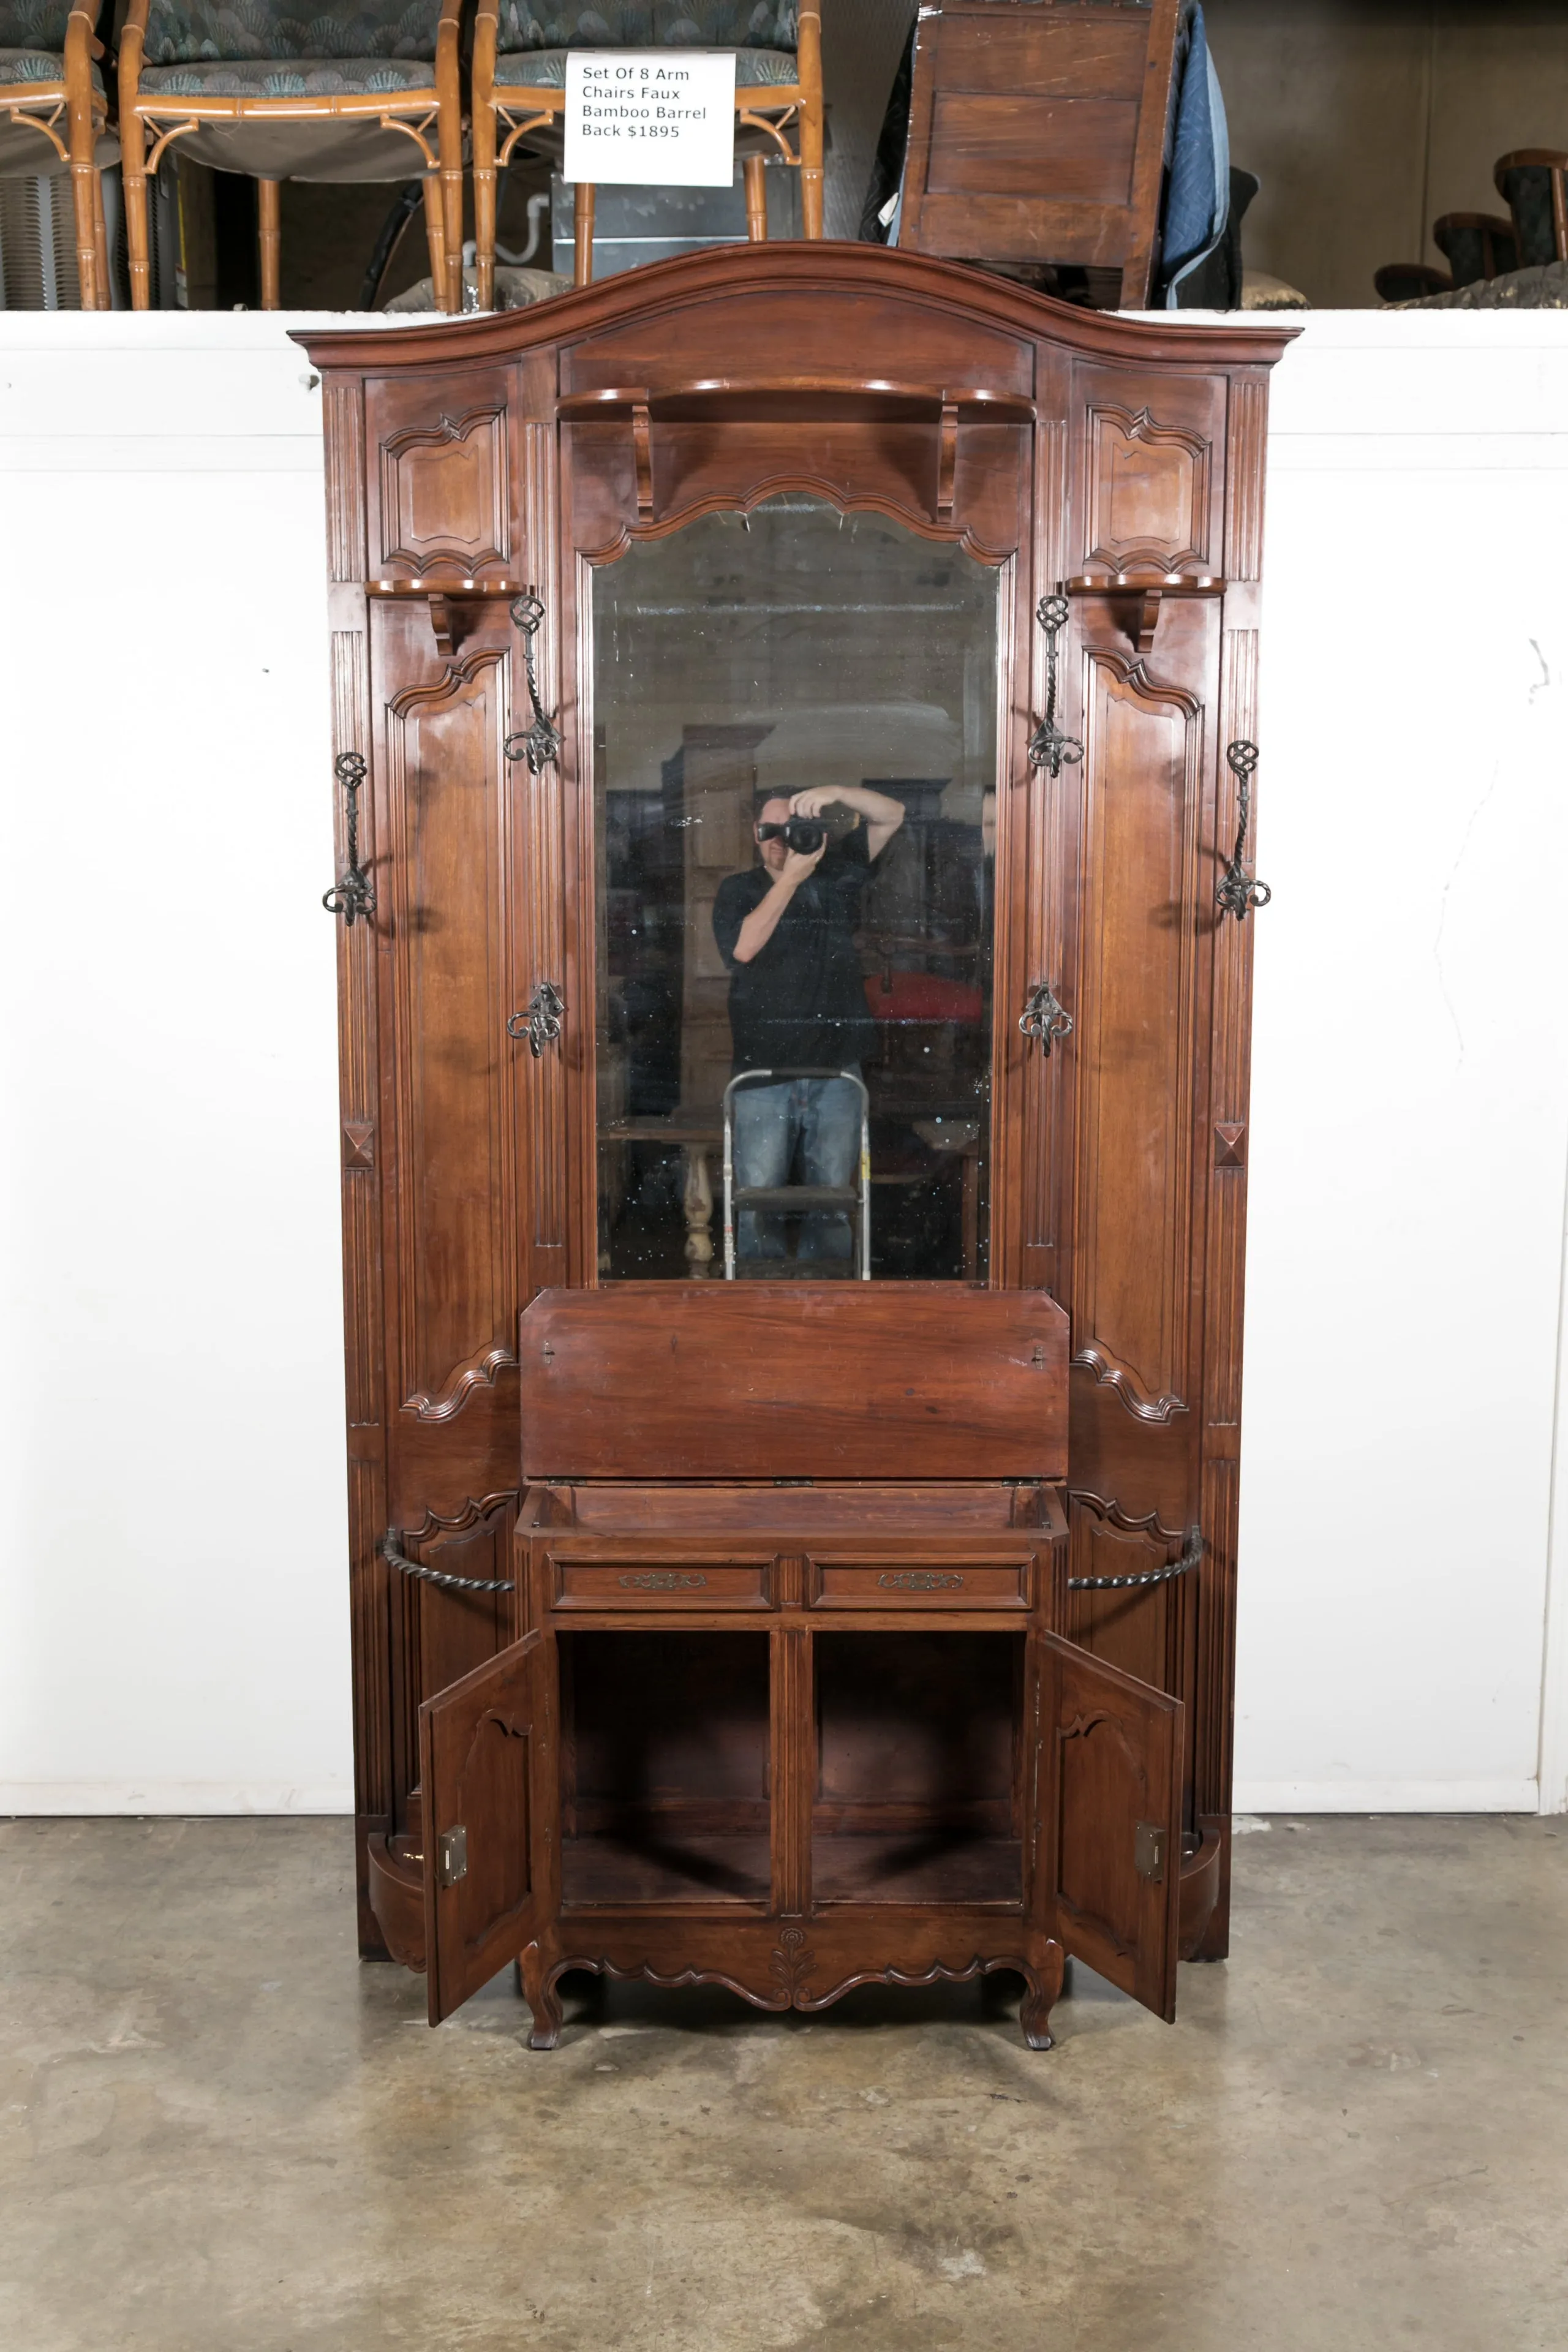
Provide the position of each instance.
(651, 118)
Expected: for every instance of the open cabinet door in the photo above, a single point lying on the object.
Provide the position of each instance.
(483, 1760)
(1111, 1820)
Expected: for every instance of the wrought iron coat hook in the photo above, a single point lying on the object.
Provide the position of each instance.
(1235, 889)
(540, 744)
(1043, 1019)
(1048, 747)
(355, 896)
(539, 1019)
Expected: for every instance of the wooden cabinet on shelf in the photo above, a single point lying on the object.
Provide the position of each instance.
(793, 1633)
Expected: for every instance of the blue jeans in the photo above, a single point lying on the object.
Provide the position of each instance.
(822, 1117)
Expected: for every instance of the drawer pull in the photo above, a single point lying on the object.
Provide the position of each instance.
(919, 1579)
(663, 1579)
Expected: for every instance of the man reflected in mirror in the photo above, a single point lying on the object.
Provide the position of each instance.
(797, 1003)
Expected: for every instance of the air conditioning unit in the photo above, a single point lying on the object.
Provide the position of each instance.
(37, 243)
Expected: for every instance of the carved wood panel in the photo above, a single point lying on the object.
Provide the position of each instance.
(1135, 1013)
(445, 493)
(449, 793)
(1152, 483)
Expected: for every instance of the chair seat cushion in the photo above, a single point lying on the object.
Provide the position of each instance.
(20, 66)
(646, 25)
(193, 32)
(298, 78)
(546, 69)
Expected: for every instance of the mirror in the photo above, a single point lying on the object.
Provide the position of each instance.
(795, 732)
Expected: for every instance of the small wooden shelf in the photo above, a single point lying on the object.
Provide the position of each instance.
(442, 596)
(1144, 591)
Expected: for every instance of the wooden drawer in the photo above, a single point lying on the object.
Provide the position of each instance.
(628, 1581)
(905, 1583)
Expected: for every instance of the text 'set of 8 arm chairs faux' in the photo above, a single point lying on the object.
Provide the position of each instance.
(520, 48)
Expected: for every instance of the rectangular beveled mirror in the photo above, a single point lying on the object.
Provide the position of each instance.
(796, 736)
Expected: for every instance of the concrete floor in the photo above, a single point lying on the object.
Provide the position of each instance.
(221, 2131)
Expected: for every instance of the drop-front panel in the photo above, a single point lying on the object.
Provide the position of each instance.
(527, 511)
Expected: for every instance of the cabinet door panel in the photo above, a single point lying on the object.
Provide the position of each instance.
(1110, 1788)
(486, 1763)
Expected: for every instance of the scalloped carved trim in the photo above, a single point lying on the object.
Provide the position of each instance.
(1137, 676)
(472, 1512)
(481, 1374)
(1096, 1359)
(1115, 1517)
(803, 486)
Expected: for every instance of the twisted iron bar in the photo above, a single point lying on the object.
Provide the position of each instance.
(354, 897)
(540, 1018)
(540, 744)
(1043, 1019)
(1236, 889)
(1048, 747)
(388, 1549)
(1192, 1553)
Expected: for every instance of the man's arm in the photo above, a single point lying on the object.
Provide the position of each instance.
(883, 814)
(764, 918)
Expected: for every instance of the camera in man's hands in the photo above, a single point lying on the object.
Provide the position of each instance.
(802, 835)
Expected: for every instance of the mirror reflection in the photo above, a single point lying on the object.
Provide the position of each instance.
(794, 795)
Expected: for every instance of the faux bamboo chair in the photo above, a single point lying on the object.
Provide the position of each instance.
(519, 93)
(1533, 183)
(341, 91)
(53, 114)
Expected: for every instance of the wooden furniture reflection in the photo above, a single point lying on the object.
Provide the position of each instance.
(1533, 183)
(962, 1701)
(520, 97)
(58, 98)
(698, 1141)
(269, 100)
(1037, 135)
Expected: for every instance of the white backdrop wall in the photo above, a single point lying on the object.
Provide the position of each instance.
(172, 1618)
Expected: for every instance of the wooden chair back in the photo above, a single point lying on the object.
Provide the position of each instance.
(1036, 134)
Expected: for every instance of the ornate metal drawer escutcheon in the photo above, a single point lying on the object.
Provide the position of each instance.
(919, 1579)
(664, 1579)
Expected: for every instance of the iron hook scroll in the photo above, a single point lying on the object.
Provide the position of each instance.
(388, 1549)
(540, 1018)
(1192, 1553)
(1048, 747)
(354, 897)
(1043, 1019)
(1236, 891)
(540, 744)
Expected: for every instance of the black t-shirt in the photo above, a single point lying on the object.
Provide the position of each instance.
(801, 1003)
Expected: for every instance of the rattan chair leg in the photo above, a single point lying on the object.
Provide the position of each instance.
(269, 240)
(757, 199)
(583, 234)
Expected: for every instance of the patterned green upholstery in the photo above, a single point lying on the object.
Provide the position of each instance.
(546, 69)
(261, 77)
(34, 25)
(646, 24)
(196, 32)
(20, 66)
